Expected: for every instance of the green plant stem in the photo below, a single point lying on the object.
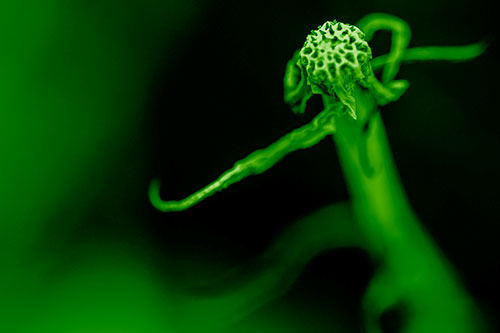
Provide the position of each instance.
(413, 272)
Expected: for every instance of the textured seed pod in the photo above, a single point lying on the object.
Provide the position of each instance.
(335, 57)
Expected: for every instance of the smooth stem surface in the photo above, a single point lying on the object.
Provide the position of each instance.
(413, 272)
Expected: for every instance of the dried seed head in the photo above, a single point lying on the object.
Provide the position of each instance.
(335, 57)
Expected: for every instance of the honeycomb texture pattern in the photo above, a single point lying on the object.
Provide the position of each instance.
(335, 56)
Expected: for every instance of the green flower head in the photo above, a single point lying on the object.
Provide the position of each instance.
(335, 58)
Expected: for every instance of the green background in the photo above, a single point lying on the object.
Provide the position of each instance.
(98, 97)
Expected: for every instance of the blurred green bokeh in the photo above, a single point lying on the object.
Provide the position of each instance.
(98, 97)
(73, 97)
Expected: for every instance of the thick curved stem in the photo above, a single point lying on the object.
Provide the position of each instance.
(420, 275)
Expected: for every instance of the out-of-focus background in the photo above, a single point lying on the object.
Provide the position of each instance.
(98, 97)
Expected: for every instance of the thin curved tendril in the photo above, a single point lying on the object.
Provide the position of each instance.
(255, 163)
(434, 53)
(401, 34)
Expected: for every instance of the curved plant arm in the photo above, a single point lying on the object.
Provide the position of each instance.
(401, 34)
(256, 163)
(434, 53)
(296, 91)
(389, 90)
